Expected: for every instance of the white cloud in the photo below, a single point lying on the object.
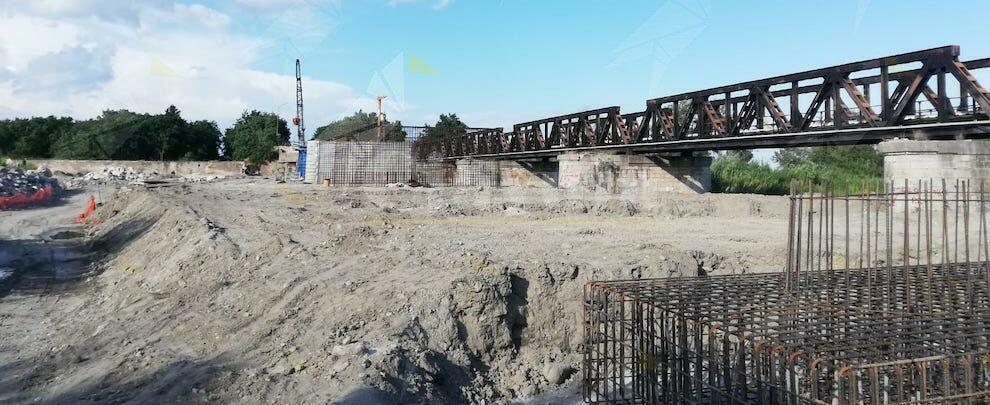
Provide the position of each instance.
(437, 5)
(202, 15)
(116, 11)
(85, 56)
(281, 4)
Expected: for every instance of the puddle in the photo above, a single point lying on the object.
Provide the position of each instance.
(56, 258)
(63, 235)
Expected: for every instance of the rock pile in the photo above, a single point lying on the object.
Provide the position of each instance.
(115, 173)
(14, 181)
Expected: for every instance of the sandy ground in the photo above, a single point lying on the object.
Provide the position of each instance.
(247, 291)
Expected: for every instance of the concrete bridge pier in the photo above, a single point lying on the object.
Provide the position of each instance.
(624, 173)
(936, 160)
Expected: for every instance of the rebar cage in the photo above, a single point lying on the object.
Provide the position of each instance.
(382, 163)
(882, 300)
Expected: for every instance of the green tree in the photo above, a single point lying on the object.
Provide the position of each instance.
(169, 129)
(360, 126)
(254, 136)
(203, 141)
(449, 126)
(115, 134)
(33, 137)
(744, 155)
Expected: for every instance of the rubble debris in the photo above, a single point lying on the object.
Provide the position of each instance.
(116, 173)
(14, 181)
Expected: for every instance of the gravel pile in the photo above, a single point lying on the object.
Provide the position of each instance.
(15, 181)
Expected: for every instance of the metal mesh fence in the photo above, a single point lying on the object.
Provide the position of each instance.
(383, 163)
(902, 319)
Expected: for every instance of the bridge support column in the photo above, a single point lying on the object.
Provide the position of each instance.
(615, 173)
(923, 160)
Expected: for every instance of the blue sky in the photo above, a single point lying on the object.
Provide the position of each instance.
(494, 63)
(505, 61)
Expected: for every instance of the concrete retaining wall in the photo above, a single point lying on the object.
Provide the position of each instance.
(166, 168)
(596, 171)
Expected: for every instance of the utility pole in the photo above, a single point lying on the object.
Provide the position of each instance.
(381, 116)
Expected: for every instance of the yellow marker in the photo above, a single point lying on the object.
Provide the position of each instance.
(416, 65)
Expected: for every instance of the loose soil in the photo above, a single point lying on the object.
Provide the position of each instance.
(247, 291)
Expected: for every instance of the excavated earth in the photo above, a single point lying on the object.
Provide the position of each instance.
(247, 291)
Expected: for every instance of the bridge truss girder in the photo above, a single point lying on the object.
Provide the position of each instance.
(880, 93)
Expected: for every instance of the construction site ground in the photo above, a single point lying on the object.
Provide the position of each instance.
(248, 291)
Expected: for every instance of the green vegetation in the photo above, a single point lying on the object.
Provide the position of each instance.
(360, 126)
(254, 136)
(448, 127)
(843, 166)
(115, 134)
(32, 137)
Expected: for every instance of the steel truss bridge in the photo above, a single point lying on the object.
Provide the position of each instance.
(927, 94)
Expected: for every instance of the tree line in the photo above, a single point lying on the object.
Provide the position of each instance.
(362, 126)
(126, 135)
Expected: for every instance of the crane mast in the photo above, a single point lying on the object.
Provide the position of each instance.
(300, 125)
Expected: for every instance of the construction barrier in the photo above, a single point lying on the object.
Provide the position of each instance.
(25, 200)
(84, 218)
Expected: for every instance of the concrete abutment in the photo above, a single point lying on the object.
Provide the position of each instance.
(612, 173)
(936, 160)
(615, 173)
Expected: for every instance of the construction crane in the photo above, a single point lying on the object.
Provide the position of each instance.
(381, 117)
(300, 125)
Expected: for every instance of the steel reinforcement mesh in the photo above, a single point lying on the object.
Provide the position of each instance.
(384, 163)
(464, 173)
(909, 327)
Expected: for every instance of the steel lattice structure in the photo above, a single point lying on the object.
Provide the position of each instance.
(883, 299)
(929, 92)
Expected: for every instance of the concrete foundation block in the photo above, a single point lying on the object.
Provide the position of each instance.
(613, 173)
(924, 160)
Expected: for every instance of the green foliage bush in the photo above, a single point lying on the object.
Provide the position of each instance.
(254, 136)
(360, 126)
(845, 167)
(448, 127)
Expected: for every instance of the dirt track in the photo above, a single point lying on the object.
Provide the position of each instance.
(245, 291)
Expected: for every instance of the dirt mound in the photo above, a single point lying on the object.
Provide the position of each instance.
(261, 293)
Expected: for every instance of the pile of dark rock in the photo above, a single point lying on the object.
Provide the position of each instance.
(14, 181)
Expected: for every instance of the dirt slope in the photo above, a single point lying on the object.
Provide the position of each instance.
(250, 292)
